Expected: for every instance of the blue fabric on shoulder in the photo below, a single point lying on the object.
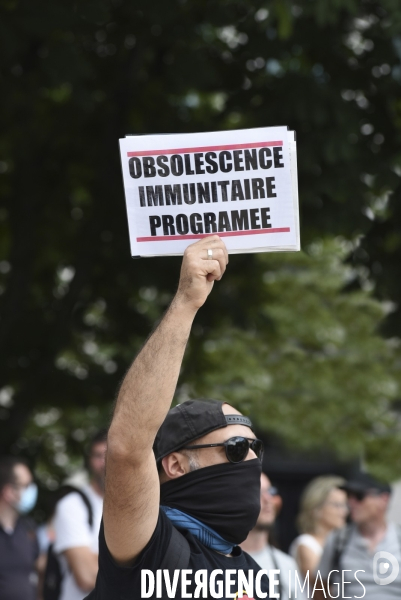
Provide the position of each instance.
(207, 536)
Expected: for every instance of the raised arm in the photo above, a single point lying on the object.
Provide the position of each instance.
(131, 503)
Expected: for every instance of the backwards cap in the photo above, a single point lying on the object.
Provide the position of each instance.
(363, 482)
(189, 421)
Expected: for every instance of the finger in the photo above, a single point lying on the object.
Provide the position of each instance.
(200, 248)
(207, 253)
(222, 245)
(217, 254)
(225, 252)
(211, 239)
(208, 240)
(214, 242)
(213, 269)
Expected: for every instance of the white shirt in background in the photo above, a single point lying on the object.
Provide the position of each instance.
(72, 530)
(306, 539)
(271, 558)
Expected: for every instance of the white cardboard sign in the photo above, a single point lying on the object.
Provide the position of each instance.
(239, 184)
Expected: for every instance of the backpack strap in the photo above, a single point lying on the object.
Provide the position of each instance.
(88, 506)
(341, 540)
(177, 554)
(53, 576)
(66, 490)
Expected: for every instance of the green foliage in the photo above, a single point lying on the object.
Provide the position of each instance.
(75, 308)
(314, 369)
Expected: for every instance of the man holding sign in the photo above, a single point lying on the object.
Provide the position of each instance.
(200, 461)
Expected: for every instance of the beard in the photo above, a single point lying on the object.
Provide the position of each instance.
(192, 460)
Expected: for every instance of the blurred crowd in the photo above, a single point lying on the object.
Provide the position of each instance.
(344, 544)
(59, 559)
(342, 525)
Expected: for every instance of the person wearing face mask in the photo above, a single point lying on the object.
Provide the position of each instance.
(182, 486)
(19, 548)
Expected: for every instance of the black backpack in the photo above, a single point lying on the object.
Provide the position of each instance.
(53, 573)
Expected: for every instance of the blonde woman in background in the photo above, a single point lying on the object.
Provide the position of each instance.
(323, 508)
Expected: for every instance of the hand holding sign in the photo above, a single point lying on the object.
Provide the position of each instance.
(239, 184)
(204, 262)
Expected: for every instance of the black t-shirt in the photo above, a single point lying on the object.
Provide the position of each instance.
(18, 552)
(124, 583)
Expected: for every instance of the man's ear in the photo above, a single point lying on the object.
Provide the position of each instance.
(175, 465)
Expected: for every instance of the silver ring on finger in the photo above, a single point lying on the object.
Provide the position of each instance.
(210, 253)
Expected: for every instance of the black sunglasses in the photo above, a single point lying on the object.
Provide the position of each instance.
(237, 448)
(357, 495)
(361, 494)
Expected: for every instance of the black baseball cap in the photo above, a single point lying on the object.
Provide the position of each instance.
(191, 420)
(363, 482)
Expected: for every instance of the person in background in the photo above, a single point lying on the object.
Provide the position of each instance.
(323, 508)
(18, 544)
(357, 547)
(76, 526)
(258, 545)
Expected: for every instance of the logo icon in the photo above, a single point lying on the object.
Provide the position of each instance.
(381, 568)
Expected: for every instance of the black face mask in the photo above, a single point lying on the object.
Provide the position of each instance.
(226, 497)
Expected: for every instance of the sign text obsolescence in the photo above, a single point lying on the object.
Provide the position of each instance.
(239, 184)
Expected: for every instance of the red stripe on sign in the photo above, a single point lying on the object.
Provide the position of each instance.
(163, 238)
(204, 149)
